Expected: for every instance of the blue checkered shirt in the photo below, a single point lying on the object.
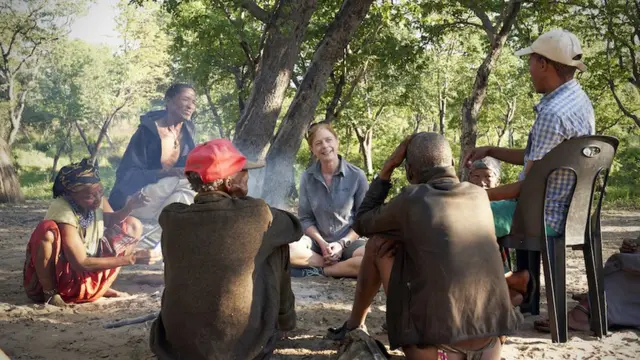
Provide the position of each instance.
(561, 115)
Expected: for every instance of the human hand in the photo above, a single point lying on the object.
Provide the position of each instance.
(144, 257)
(395, 159)
(335, 251)
(475, 154)
(386, 249)
(137, 200)
(628, 246)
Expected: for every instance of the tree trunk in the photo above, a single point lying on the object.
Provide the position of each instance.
(365, 139)
(511, 142)
(418, 119)
(54, 168)
(103, 131)
(83, 135)
(285, 33)
(56, 158)
(16, 107)
(442, 106)
(472, 105)
(10, 191)
(508, 117)
(214, 112)
(109, 140)
(300, 114)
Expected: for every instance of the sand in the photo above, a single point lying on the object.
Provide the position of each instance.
(32, 331)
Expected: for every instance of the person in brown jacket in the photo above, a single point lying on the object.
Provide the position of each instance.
(433, 248)
(227, 284)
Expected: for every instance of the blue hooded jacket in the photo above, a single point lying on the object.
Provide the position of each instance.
(140, 163)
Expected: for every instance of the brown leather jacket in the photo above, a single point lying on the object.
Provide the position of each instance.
(447, 283)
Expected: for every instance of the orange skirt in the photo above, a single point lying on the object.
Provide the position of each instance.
(73, 286)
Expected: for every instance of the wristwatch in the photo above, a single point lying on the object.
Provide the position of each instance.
(344, 243)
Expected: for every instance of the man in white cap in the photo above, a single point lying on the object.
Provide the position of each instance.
(564, 112)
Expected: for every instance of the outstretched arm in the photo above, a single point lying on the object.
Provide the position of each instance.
(136, 201)
(511, 156)
(373, 216)
(76, 254)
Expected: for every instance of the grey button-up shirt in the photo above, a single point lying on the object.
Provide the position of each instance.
(331, 209)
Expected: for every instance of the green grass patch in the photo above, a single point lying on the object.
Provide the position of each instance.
(32, 158)
(35, 182)
(622, 196)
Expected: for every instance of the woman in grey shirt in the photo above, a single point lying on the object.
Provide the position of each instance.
(331, 191)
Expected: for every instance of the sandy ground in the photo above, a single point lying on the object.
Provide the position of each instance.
(31, 331)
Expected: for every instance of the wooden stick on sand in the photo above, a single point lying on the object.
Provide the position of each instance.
(126, 322)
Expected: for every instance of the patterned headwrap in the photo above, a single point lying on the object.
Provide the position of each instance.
(487, 163)
(73, 176)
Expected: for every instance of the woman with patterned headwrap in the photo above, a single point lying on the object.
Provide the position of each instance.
(76, 252)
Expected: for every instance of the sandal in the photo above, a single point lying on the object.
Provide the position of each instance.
(338, 334)
(545, 325)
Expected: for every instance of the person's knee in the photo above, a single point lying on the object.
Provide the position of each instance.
(298, 247)
(359, 252)
(134, 227)
(49, 238)
(379, 247)
(373, 244)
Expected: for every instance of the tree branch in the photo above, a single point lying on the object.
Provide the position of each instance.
(484, 18)
(510, 16)
(83, 135)
(625, 111)
(254, 9)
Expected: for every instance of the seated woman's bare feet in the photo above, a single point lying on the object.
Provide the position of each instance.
(56, 300)
(115, 294)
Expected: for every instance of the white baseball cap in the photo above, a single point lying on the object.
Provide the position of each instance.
(558, 45)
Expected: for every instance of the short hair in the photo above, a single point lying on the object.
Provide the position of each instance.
(175, 90)
(313, 129)
(563, 71)
(488, 163)
(198, 186)
(428, 150)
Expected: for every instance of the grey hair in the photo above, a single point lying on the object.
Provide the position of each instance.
(428, 150)
(198, 186)
(488, 163)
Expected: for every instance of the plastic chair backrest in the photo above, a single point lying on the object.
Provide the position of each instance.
(587, 157)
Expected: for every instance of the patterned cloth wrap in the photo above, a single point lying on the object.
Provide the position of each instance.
(72, 176)
(69, 179)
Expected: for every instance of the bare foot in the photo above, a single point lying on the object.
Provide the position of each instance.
(56, 300)
(115, 294)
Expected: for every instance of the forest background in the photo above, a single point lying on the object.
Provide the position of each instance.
(264, 70)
